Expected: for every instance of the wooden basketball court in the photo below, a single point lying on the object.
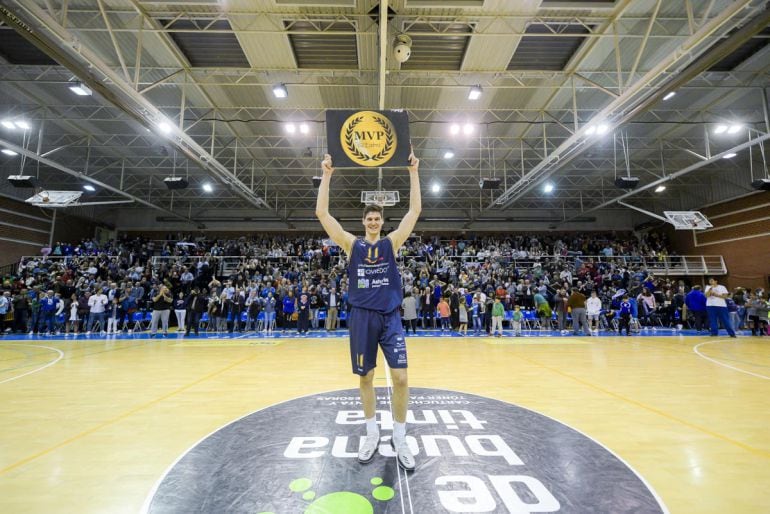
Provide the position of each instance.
(90, 426)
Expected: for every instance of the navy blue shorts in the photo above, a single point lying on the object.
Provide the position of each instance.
(370, 329)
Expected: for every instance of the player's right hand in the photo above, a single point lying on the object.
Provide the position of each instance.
(326, 164)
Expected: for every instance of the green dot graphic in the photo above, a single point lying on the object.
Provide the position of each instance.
(376, 481)
(300, 484)
(383, 493)
(308, 495)
(340, 503)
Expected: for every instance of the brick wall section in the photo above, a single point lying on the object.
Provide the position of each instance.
(68, 228)
(747, 260)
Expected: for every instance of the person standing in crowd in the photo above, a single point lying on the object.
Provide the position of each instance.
(73, 322)
(114, 313)
(577, 304)
(560, 301)
(34, 310)
(332, 301)
(6, 306)
(716, 306)
(374, 319)
(409, 306)
(624, 320)
(695, 302)
(593, 311)
(20, 312)
(498, 313)
(443, 310)
(428, 309)
(516, 320)
(269, 313)
(303, 314)
(316, 302)
(97, 304)
(462, 306)
(161, 309)
(289, 308)
(180, 310)
(195, 306)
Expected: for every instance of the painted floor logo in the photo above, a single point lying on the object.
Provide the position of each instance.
(474, 454)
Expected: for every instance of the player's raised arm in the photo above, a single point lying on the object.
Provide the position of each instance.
(407, 224)
(330, 224)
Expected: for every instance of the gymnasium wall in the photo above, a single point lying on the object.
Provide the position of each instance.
(741, 234)
(25, 229)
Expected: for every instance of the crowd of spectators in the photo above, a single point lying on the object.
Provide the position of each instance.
(299, 283)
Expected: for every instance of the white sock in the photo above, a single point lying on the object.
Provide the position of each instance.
(399, 431)
(371, 426)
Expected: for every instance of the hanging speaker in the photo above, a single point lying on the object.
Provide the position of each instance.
(175, 182)
(626, 182)
(22, 180)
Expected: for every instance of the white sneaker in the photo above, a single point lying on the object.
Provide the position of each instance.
(88, 333)
(403, 455)
(368, 448)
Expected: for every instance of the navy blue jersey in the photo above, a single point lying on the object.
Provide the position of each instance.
(375, 283)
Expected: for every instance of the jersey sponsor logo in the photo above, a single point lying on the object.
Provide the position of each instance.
(474, 454)
(373, 256)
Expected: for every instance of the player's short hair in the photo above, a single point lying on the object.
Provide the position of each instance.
(373, 208)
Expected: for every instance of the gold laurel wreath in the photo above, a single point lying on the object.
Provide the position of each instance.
(379, 155)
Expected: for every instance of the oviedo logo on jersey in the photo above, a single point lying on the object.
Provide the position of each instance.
(474, 454)
(368, 138)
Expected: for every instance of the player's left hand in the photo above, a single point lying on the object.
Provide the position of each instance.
(414, 162)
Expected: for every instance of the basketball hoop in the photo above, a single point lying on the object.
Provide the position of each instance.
(381, 198)
(687, 220)
(54, 198)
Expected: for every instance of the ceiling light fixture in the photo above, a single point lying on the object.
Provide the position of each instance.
(602, 129)
(6, 151)
(729, 155)
(454, 129)
(720, 129)
(89, 188)
(474, 93)
(291, 128)
(208, 187)
(435, 188)
(81, 89)
(660, 188)
(8, 124)
(669, 95)
(467, 129)
(734, 129)
(548, 187)
(448, 154)
(23, 125)
(280, 91)
(164, 127)
(304, 128)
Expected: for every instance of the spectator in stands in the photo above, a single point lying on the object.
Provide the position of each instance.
(289, 309)
(757, 309)
(161, 310)
(463, 327)
(716, 306)
(270, 303)
(646, 300)
(316, 302)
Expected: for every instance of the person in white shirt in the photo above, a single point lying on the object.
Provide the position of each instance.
(716, 307)
(97, 305)
(593, 310)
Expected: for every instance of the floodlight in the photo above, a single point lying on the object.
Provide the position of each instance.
(280, 91)
(80, 89)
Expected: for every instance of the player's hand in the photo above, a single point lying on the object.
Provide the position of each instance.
(414, 162)
(326, 164)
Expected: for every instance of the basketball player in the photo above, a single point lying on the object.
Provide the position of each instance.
(374, 298)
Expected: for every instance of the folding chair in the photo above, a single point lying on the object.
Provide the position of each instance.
(343, 318)
(260, 321)
(136, 319)
(203, 324)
